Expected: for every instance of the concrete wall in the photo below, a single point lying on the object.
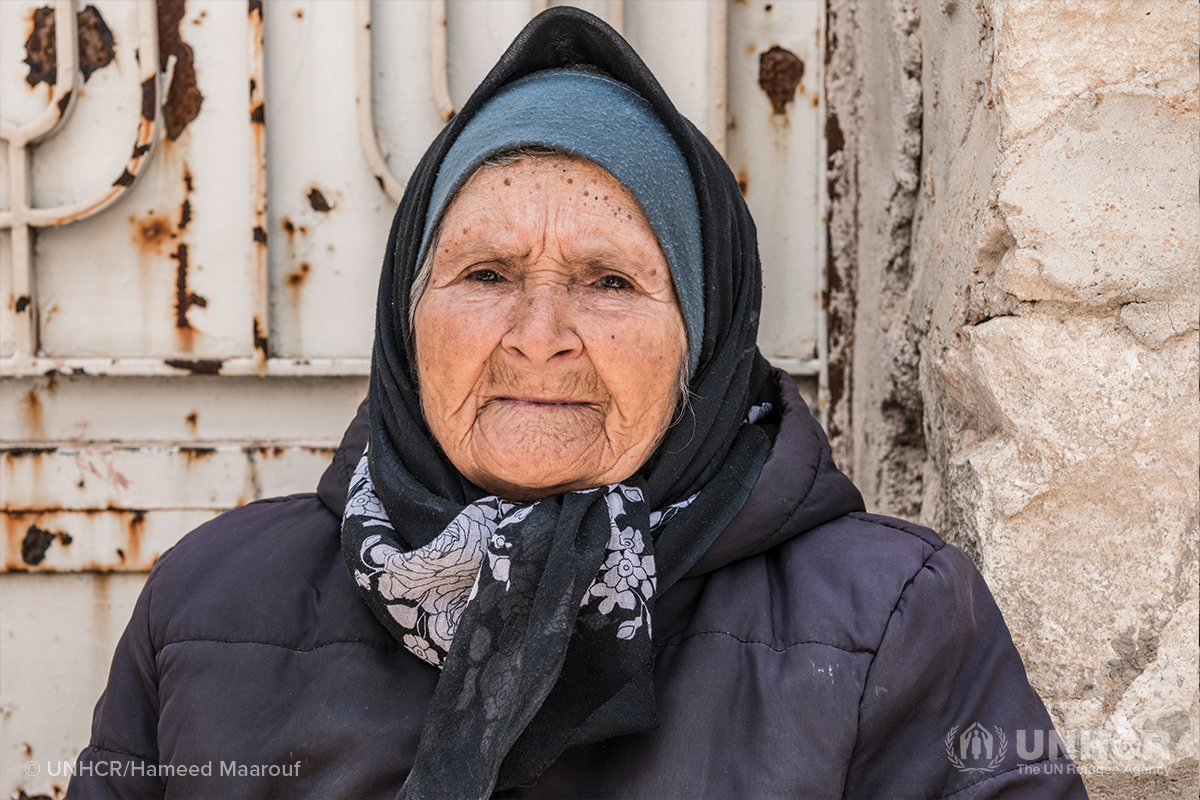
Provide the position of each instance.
(1014, 249)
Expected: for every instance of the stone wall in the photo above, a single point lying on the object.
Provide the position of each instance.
(1015, 266)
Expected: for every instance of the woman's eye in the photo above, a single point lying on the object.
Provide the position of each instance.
(485, 276)
(613, 282)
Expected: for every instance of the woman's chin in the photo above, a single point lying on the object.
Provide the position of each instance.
(527, 453)
(534, 476)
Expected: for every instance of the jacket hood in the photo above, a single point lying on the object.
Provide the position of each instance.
(798, 489)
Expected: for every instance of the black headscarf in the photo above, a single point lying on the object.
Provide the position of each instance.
(529, 673)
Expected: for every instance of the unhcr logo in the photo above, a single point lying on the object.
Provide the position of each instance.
(976, 749)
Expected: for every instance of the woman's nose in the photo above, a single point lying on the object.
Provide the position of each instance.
(544, 326)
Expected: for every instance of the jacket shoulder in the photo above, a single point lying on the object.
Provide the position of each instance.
(259, 573)
(836, 584)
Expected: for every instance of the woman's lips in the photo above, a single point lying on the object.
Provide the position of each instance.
(542, 401)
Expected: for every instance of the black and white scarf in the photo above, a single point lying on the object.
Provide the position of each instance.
(426, 590)
(539, 614)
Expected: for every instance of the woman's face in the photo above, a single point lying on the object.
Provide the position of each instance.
(549, 341)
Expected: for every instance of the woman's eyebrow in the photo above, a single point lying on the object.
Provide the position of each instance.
(620, 260)
(485, 248)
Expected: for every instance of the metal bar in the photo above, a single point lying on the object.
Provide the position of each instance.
(102, 540)
(65, 476)
(20, 137)
(143, 147)
(258, 126)
(23, 300)
(438, 59)
(170, 367)
(719, 74)
(390, 184)
(62, 101)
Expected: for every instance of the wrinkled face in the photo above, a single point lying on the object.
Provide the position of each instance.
(549, 341)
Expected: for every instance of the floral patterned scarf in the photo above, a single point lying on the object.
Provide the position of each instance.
(425, 591)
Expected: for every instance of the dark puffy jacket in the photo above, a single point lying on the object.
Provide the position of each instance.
(815, 651)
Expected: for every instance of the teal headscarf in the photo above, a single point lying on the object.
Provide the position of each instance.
(594, 117)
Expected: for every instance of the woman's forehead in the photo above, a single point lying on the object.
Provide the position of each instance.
(572, 174)
(502, 206)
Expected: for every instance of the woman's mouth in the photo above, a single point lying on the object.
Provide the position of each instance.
(543, 401)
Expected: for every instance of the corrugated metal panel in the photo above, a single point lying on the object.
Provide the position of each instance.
(192, 217)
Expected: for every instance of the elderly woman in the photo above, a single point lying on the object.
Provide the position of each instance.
(594, 546)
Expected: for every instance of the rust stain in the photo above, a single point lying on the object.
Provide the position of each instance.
(124, 179)
(137, 528)
(743, 182)
(63, 103)
(184, 98)
(296, 279)
(260, 337)
(149, 106)
(835, 140)
(258, 120)
(97, 48)
(185, 214)
(101, 603)
(13, 534)
(191, 420)
(197, 453)
(288, 227)
(22, 303)
(27, 452)
(204, 366)
(25, 532)
(318, 202)
(188, 183)
(779, 73)
(34, 545)
(96, 45)
(41, 51)
(152, 233)
(32, 411)
(184, 298)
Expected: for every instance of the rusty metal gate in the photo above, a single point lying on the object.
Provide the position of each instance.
(194, 201)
